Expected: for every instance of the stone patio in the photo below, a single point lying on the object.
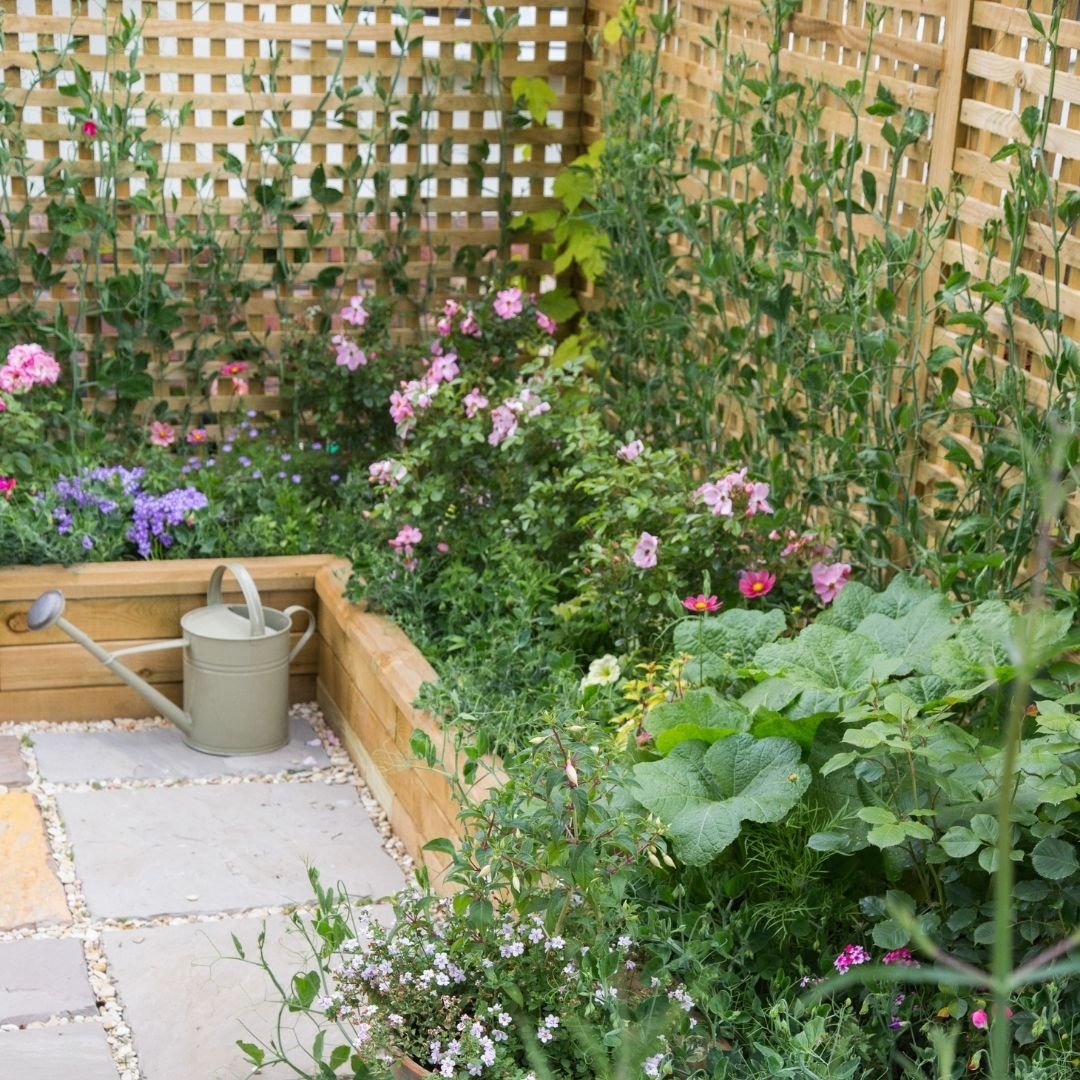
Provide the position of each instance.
(131, 863)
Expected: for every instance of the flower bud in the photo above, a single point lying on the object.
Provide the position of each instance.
(571, 774)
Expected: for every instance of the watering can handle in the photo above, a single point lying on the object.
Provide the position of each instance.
(247, 587)
(305, 637)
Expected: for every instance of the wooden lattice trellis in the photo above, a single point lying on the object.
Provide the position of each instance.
(218, 57)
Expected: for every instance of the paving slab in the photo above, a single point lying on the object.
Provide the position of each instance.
(12, 767)
(30, 892)
(190, 972)
(221, 848)
(43, 977)
(63, 1052)
(160, 754)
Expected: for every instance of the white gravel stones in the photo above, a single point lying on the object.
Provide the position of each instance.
(70, 1045)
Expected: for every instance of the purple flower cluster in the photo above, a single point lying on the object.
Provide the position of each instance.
(84, 492)
(152, 515)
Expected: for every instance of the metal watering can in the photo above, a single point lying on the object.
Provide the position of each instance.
(236, 667)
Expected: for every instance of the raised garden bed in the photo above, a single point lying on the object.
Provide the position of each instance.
(360, 667)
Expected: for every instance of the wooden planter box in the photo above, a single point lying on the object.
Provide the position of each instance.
(363, 671)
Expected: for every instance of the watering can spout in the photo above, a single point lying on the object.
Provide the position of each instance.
(48, 610)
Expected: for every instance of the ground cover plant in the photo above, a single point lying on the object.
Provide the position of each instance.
(790, 746)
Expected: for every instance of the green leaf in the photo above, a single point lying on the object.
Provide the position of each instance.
(1054, 859)
(703, 794)
(701, 710)
(959, 841)
(723, 643)
(876, 815)
(441, 845)
(537, 94)
(255, 1054)
(913, 637)
(884, 836)
(890, 934)
(338, 1056)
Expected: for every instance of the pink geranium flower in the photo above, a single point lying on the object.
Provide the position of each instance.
(28, 366)
(755, 583)
(354, 312)
(162, 434)
(631, 451)
(474, 401)
(644, 555)
(702, 604)
(851, 956)
(829, 580)
(508, 303)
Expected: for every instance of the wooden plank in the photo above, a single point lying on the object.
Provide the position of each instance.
(176, 577)
(29, 667)
(113, 619)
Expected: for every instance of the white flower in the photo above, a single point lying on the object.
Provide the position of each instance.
(604, 671)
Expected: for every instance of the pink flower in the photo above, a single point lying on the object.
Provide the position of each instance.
(407, 536)
(902, 957)
(233, 369)
(89, 128)
(829, 580)
(631, 451)
(349, 354)
(3, 405)
(442, 547)
(28, 366)
(504, 424)
(474, 402)
(701, 603)
(851, 956)
(754, 583)
(400, 407)
(644, 555)
(757, 502)
(980, 1020)
(7, 486)
(508, 303)
(162, 434)
(444, 368)
(469, 326)
(546, 323)
(354, 311)
(197, 436)
(386, 473)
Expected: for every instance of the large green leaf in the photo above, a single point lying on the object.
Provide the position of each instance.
(904, 593)
(824, 658)
(914, 636)
(701, 713)
(704, 794)
(723, 643)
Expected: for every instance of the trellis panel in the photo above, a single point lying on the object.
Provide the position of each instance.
(218, 58)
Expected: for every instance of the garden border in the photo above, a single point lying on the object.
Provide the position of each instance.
(361, 668)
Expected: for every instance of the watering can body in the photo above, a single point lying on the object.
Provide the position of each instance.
(236, 667)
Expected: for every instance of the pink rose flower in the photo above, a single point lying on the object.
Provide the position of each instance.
(757, 502)
(469, 326)
(354, 312)
(829, 580)
(508, 303)
(546, 323)
(474, 401)
(644, 555)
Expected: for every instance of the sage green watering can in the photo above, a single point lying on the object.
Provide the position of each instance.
(236, 667)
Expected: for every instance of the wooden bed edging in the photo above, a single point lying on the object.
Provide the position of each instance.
(361, 668)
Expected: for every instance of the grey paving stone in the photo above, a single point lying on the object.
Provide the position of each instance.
(160, 754)
(43, 977)
(169, 972)
(230, 847)
(64, 1052)
(12, 769)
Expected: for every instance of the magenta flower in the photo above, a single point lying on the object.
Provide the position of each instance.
(89, 128)
(400, 407)
(829, 580)
(701, 603)
(408, 536)
(162, 434)
(644, 555)
(981, 1019)
(28, 366)
(507, 303)
(631, 451)
(234, 369)
(546, 323)
(354, 312)
(197, 436)
(7, 486)
(754, 583)
(851, 956)
(902, 957)
(469, 326)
